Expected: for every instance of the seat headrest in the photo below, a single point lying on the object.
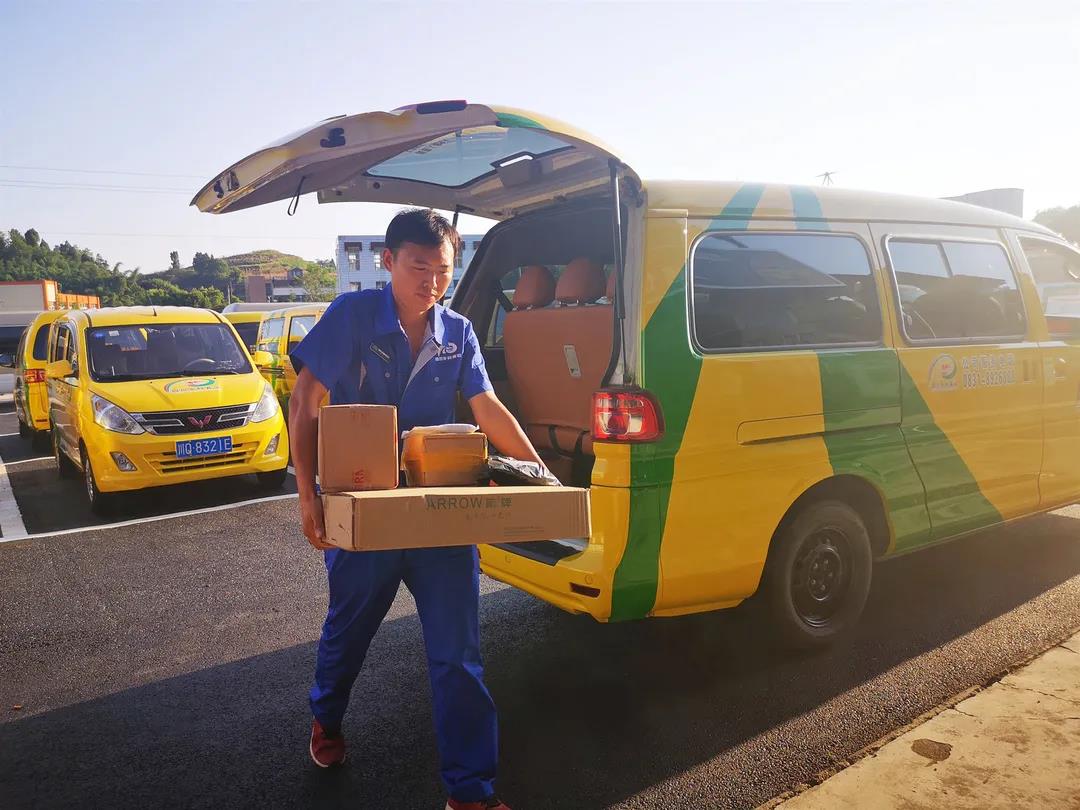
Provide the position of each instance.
(536, 288)
(582, 282)
(609, 291)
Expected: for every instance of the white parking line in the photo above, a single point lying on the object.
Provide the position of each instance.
(11, 522)
(5, 435)
(28, 460)
(83, 529)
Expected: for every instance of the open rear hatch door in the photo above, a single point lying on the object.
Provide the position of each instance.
(493, 162)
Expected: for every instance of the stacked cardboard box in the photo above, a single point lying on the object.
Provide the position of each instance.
(364, 511)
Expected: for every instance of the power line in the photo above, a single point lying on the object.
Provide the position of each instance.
(45, 185)
(104, 171)
(182, 235)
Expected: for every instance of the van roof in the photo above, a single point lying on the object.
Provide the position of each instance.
(779, 201)
(246, 306)
(120, 316)
(302, 309)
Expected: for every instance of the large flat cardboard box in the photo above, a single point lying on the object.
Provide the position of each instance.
(424, 517)
(444, 459)
(358, 447)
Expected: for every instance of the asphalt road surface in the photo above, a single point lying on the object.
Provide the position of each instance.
(166, 664)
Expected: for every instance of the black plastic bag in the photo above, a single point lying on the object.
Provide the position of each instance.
(510, 472)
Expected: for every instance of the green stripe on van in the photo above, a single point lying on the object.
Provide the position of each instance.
(671, 371)
(509, 120)
(865, 393)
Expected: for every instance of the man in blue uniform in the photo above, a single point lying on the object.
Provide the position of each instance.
(398, 346)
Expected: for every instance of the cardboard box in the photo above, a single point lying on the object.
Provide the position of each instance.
(454, 516)
(358, 447)
(444, 459)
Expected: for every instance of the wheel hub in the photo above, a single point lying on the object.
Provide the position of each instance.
(821, 575)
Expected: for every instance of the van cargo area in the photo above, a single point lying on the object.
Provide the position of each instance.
(540, 292)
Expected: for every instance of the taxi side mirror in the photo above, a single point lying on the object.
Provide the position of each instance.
(59, 369)
(263, 359)
(7, 360)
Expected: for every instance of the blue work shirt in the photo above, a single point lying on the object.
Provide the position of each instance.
(358, 350)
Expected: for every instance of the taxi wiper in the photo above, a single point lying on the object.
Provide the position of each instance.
(122, 377)
(190, 373)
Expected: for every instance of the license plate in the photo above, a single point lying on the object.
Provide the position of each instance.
(204, 447)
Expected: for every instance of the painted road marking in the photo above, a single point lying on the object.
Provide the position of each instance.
(11, 522)
(83, 529)
(5, 435)
(28, 460)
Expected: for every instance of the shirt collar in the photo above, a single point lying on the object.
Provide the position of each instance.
(388, 323)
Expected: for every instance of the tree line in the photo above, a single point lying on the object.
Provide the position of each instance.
(27, 257)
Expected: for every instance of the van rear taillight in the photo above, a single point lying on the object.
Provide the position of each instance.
(626, 415)
(34, 375)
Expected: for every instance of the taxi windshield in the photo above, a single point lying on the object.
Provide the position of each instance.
(153, 351)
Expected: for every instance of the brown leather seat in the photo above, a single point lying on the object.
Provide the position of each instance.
(556, 356)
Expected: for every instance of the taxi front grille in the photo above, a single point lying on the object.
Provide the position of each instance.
(171, 423)
(166, 463)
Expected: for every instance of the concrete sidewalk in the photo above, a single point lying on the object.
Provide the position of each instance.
(1014, 744)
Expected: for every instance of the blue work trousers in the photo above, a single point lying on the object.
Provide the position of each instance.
(445, 584)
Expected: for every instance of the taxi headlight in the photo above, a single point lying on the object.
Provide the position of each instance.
(267, 406)
(113, 417)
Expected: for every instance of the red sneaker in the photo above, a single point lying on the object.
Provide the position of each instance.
(327, 751)
(490, 803)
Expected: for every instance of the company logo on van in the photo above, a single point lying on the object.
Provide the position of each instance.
(943, 373)
(193, 384)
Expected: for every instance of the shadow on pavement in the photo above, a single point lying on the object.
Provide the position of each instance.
(591, 714)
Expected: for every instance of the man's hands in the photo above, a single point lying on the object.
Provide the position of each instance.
(502, 429)
(312, 522)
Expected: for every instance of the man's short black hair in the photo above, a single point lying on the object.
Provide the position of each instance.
(421, 226)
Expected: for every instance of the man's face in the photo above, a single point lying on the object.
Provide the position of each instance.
(419, 274)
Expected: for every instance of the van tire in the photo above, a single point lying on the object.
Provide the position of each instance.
(65, 468)
(101, 503)
(24, 431)
(817, 576)
(275, 479)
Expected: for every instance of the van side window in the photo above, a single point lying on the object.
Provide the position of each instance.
(1057, 275)
(956, 290)
(507, 283)
(771, 291)
(41, 340)
(69, 345)
(299, 327)
(59, 345)
(271, 332)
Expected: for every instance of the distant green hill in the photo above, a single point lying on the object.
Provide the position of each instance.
(264, 262)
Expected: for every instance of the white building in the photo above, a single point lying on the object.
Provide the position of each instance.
(359, 261)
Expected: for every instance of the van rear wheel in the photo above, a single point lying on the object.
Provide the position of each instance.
(817, 576)
(24, 431)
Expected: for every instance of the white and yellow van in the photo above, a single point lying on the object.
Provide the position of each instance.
(29, 360)
(279, 333)
(766, 387)
(147, 396)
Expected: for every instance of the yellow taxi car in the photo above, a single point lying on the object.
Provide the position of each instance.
(147, 396)
(279, 333)
(31, 396)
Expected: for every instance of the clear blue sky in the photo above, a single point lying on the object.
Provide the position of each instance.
(935, 99)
